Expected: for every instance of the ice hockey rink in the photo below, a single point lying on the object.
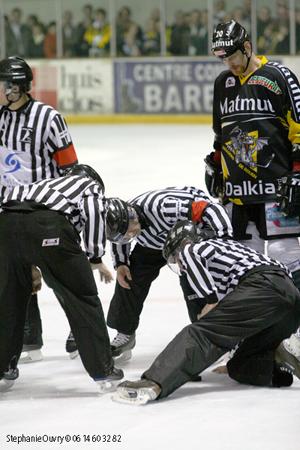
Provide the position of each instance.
(56, 398)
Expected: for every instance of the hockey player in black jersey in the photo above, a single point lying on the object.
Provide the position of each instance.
(147, 220)
(256, 121)
(251, 301)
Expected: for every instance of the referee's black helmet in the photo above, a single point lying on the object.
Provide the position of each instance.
(117, 219)
(87, 171)
(15, 70)
(182, 232)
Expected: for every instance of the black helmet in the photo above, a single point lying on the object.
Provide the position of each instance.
(119, 214)
(228, 37)
(87, 171)
(16, 71)
(183, 231)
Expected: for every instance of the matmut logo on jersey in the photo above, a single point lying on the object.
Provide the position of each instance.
(246, 104)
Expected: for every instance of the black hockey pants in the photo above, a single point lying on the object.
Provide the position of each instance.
(127, 304)
(46, 239)
(263, 310)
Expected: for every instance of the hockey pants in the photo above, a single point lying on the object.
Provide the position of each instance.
(65, 269)
(263, 310)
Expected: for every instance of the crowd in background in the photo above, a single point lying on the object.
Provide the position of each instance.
(187, 35)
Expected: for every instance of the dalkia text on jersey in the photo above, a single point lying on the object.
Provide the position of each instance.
(249, 188)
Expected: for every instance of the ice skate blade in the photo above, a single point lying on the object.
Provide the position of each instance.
(73, 355)
(125, 356)
(6, 385)
(31, 356)
(131, 397)
(107, 386)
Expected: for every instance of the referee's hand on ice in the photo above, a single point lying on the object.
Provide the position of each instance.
(36, 277)
(105, 274)
(123, 276)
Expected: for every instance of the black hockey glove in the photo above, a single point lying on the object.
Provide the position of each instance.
(289, 195)
(213, 176)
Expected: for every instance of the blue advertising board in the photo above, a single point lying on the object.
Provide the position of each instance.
(165, 86)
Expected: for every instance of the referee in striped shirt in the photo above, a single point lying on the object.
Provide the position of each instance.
(147, 219)
(251, 301)
(35, 144)
(40, 224)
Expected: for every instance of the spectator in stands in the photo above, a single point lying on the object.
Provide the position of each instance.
(50, 41)
(238, 15)
(194, 32)
(32, 20)
(151, 38)
(266, 42)
(246, 13)
(81, 47)
(68, 34)
(17, 35)
(264, 18)
(98, 34)
(38, 38)
(219, 13)
(179, 39)
(129, 34)
(155, 15)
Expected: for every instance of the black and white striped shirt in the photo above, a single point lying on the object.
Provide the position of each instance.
(162, 209)
(34, 144)
(79, 198)
(214, 267)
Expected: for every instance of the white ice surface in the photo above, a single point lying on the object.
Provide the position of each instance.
(56, 397)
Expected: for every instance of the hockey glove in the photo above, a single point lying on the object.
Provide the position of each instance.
(213, 174)
(289, 195)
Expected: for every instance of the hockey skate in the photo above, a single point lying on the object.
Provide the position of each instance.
(8, 379)
(136, 392)
(282, 375)
(292, 345)
(283, 356)
(71, 346)
(122, 345)
(109, 383)
(30, 354)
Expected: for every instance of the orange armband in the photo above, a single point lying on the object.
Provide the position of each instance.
(197, 210)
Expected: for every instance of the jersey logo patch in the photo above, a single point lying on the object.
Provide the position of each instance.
(230, 82)
(265, 82)
(26, 135)
(50, 242)
(12, 162)
(244, 148)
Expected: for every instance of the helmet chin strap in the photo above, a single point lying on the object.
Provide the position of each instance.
(248, 58)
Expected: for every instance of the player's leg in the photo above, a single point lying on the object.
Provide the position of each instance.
(127, 304)
(252, 307)
(32, 341)
(287, 250)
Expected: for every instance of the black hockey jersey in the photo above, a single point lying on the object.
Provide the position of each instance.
(256, 119)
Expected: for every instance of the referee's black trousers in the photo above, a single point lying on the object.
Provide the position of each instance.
(46, 239)
(263, 310)
(127, 304)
